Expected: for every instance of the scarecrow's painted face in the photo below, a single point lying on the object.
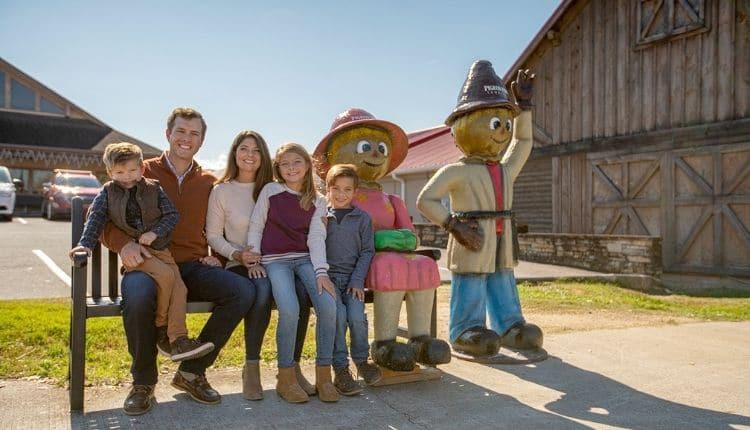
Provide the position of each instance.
(366, 147)
(484, 133)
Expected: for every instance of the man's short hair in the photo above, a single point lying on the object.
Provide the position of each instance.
(119, 153)
(187, 113)
(342, 171)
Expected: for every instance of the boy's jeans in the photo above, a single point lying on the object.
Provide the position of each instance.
(281, 274)
(474, 296)
(350, 312)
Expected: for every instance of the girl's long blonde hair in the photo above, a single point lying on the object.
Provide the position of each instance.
(264, 174)
(308, 193)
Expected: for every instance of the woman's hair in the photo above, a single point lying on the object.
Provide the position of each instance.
(264, 174)
(308, 187)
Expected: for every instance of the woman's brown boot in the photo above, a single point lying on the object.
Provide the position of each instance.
(303, 382)
(251, 387)
(287, 387)
(326, 391)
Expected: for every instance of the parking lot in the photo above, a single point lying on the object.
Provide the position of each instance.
(34, 258)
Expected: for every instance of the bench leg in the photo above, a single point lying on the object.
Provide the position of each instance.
(77, 362)
(433, 318)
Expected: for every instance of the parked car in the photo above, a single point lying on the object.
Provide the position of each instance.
(64, 185)
(8, 187)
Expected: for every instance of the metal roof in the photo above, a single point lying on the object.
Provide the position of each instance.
(429, 149)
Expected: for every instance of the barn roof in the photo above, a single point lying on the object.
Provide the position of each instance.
(429, 150)
(540, 36)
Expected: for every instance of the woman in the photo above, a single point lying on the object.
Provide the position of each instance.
(230, 205)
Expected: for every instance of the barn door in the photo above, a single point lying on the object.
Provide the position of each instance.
(626, 195)
(708, 210)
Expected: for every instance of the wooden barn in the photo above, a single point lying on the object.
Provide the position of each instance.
(642, 127)
(641, 160)
(40, 130)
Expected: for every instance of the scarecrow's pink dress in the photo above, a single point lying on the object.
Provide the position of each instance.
(394, 271)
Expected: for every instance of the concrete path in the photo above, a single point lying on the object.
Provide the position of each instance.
(693, 376)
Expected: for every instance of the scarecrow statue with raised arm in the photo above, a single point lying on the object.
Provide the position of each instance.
(495, 134)
(376, 147)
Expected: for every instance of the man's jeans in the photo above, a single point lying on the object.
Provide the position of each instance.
(281, 274)
(350, 312)
(231, 293)
(474, 296)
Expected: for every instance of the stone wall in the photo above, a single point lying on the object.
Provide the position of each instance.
(639, 255)
(600, 253)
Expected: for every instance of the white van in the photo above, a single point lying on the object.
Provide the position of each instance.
(7, 194)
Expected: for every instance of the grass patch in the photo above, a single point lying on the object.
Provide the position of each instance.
(585, 296)
(34, 340)
(34, 333)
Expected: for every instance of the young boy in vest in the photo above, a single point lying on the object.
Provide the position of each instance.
(139, 207)
(349, 250)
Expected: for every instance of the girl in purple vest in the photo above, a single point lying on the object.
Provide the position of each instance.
(287, 226)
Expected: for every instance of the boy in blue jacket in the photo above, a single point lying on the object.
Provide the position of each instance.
(349, 250)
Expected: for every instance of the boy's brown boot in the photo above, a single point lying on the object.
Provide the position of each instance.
(303, 382)
(251, 386)
(345, 383)
(185, 348)
(326, 391)
(287, 387)
(370, 372)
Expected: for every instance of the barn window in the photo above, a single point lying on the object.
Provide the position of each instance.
(661, 20)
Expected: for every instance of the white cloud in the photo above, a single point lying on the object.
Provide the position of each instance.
(218, 163)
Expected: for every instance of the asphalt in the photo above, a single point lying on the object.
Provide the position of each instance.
(692, 376)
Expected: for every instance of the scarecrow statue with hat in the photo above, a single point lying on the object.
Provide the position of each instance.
(495, 135)
(376, 147)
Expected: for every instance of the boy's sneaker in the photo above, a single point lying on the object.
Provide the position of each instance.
(369, 372)
(345, 383)
(162, 342)
(184, 348)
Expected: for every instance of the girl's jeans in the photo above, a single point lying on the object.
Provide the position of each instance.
(281, 274)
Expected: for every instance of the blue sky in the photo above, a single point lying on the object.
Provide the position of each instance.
(284, 70)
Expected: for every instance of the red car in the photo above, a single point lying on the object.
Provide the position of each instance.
(64, 185)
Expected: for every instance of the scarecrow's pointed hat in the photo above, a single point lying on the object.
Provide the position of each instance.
(482, 89)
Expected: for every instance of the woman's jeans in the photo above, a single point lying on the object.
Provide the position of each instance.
(474, 296)
(350, 313)
(281, 274)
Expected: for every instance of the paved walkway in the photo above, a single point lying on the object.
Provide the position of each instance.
(692, 376)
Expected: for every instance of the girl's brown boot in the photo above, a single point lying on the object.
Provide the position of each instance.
(326, 391)
(288, 388)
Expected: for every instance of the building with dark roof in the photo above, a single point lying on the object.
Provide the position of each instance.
(40, 131)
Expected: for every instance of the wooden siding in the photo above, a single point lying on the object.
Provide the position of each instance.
(532, 196)
(593, 81)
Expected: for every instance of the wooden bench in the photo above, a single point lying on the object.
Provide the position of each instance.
(96, 304)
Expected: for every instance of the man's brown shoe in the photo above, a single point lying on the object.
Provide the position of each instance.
(199, 388)
(140, 400)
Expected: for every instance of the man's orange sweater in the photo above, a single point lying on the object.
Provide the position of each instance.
(191, 200)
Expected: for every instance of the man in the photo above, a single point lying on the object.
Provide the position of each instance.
(188, 187)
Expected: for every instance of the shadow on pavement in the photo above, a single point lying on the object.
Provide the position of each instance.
(596, 398)
(449, 403)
